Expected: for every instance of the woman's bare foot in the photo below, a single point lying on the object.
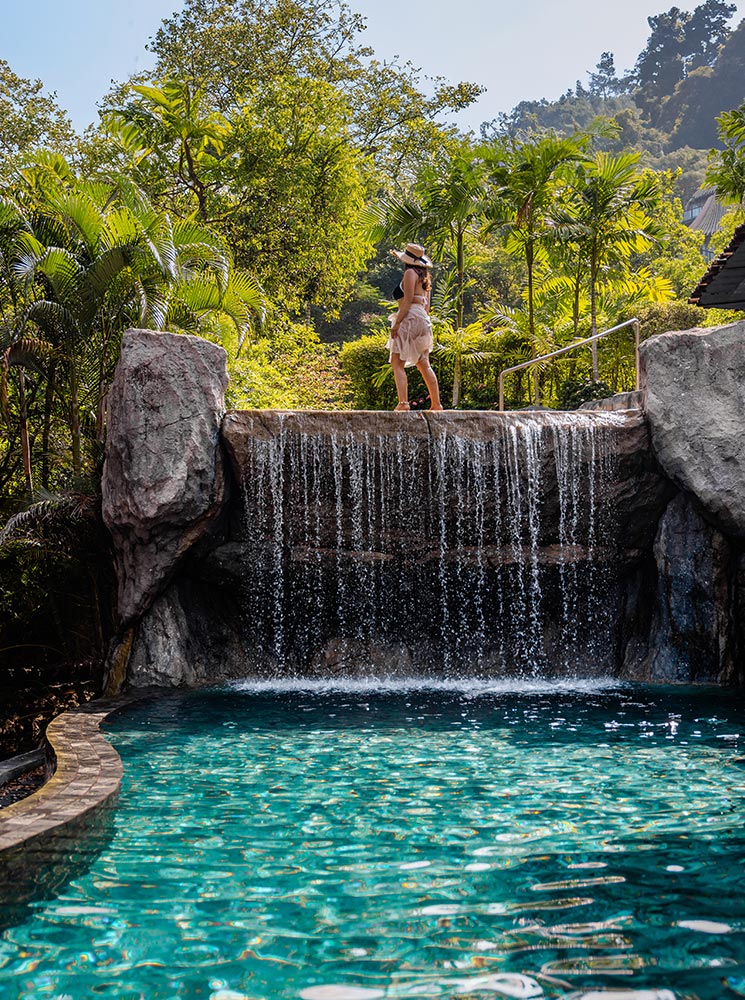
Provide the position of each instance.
(436, 408)
(402, 408)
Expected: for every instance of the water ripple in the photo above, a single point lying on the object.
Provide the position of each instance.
(407, 843)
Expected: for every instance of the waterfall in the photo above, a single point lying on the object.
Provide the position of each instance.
(464, 546)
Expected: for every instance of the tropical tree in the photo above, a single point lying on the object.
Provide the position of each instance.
(446, 209)
(29, 118)
(524, 179)
(238, 49)
(20, 350)
(726, 170)
(97, 258)
(279, 178)
(606, 217)
(171, 127)
(461, 347)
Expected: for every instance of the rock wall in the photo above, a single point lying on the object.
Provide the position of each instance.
(692, 637)
(695, 405)
(188, 538)
(163, 480)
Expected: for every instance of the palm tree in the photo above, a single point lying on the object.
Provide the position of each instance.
(101, 258)
(20, 350)
(726, 170)
(605, 216)
(446, 208)
(463, 346)
(524, 178)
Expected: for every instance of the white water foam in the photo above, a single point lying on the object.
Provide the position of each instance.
(470, 687)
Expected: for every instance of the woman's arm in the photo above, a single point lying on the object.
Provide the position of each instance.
(408, 285)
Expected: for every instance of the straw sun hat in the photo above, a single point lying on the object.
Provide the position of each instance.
(414, 255)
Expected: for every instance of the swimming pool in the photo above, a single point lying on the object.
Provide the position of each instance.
(406, 841)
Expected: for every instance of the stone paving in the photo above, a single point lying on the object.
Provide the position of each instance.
(88, 773)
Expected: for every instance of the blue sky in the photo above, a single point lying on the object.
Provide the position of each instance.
(517, 50)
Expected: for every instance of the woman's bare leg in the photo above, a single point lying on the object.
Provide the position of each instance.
(402, 382)
(430, 380)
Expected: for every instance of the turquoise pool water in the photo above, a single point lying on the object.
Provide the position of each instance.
(408, 843)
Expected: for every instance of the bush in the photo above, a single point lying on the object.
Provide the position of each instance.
(291, 370)
(576, 391)
(662, 317)
(361, 361)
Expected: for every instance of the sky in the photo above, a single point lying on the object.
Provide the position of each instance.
(518, 51)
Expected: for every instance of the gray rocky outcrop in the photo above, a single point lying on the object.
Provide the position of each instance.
(695, 384)
(187, 638)
(692, 634)
(633, 400)
(163, 482)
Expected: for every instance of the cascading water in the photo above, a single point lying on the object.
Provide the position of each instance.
(441, 552)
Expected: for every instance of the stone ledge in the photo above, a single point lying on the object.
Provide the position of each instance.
(87, 774)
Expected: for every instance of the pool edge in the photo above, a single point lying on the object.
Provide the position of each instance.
(87, 775)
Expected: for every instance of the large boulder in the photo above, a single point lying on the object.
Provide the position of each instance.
(696, 410)
(163, 481)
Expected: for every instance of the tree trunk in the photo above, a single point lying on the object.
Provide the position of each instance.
(75, 422)
(575, 303)
(531, 313)
(47, 430)
(457, 380)
(25, 442)
(594, 312)
(461, 269)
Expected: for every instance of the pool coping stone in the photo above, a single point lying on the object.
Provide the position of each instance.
(86, 773)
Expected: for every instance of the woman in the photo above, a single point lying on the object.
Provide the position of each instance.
(411, 339)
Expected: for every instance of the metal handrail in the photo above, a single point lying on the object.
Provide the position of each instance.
(564, 350)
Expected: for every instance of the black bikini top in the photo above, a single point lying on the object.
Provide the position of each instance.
(398, 293)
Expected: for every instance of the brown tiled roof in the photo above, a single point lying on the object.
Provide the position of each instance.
(723, 285)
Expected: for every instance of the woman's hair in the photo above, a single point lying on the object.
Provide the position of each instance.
(423, 275)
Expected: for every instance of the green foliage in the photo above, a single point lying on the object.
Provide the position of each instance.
(446, 206)
(79, 263)
(362, 360)
(726, 171)
(661, 317)
(689, 112)
(577, 390)
(28, 118)
(289, 370)
(279, 177)
(680, 43)
(237, 49)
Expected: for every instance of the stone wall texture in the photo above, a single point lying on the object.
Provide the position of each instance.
(163, 481)
(695, 385)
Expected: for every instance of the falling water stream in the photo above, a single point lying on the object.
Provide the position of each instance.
(454, 553)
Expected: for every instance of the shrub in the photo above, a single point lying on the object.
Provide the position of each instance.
(576, 391)
(662, 317)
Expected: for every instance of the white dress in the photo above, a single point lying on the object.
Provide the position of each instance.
(414, 340)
